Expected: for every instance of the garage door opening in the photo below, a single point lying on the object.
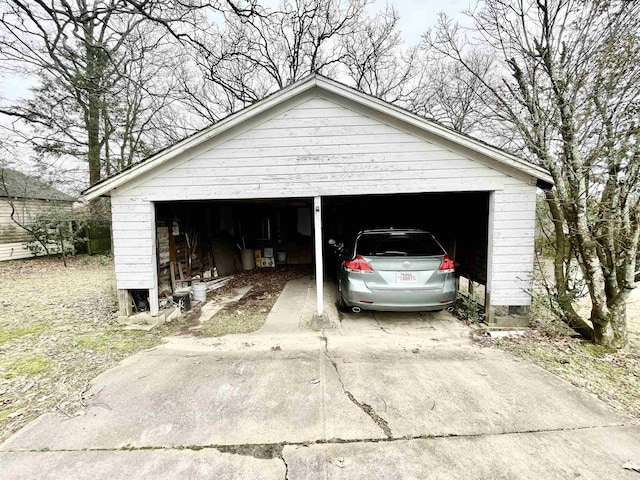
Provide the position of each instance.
(202, 240)
(207, 239)
(458, 220)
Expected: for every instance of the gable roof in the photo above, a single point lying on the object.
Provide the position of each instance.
(339, 91)
(15, 184)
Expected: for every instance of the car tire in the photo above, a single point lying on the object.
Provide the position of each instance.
(342, 306)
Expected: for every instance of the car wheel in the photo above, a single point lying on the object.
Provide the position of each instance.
(341, 305)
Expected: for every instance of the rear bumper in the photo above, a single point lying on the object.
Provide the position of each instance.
(356, 293)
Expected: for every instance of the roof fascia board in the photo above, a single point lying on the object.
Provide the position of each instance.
(185, 146)
(512, 162)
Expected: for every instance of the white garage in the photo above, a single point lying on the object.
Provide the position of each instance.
(318, 159)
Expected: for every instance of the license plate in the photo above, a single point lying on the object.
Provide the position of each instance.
(406, 277)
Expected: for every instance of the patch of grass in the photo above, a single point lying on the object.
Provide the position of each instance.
(92, 341)
(115, 339)
(230, 322)
(4, 414)
(597, 351)
(7, 333)
(33, 365)
(134, 341)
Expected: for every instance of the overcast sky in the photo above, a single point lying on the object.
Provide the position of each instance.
(417, 16)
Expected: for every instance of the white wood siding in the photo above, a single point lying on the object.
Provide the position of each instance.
(14, 251)
(133, 249)
(319, 148)
(513, 244)
(12, 237)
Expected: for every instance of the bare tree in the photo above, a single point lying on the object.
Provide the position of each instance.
(250, 56)
(376, 62)
(95, 64)
(570, 89)
(450, 94)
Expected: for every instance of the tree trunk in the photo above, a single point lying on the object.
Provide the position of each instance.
(62, 252)
(568, 314)
(612, 331)
(93, 74)
(93, 138)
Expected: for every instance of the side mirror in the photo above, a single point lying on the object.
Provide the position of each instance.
(331, 241)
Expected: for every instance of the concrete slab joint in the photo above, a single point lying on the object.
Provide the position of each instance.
(366, 408)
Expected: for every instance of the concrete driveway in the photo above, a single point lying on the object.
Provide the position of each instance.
(371, 396)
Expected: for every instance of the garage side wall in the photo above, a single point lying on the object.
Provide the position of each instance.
(133, 243)
(512, 244)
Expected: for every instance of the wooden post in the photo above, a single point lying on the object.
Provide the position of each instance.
(124, 303)
(154, 308)
(488, 308)
(317, 224)
(172, 254)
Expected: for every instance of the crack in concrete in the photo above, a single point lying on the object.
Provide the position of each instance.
(276, 449)
(366, 408)
(264, 451)
(286, 467)
(380, 325)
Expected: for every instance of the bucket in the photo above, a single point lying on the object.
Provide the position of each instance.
(248, 259)
(182, 297)
(199, 292)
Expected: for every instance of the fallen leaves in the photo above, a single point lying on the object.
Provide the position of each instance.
(609, 374)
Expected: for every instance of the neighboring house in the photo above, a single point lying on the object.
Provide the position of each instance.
(27, 197)
(320, 160)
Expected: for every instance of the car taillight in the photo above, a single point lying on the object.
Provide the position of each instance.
(358, 264)
(447, 265)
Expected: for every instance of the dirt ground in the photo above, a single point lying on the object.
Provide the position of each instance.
(57, 332)
(614, 376)
(250, 312)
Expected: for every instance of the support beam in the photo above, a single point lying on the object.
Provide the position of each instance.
(154, 308)
(124, 303)
(317, 224)
(488, 307)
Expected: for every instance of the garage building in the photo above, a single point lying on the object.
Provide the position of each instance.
(320, 160)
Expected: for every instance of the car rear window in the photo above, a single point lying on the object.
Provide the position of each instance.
(404, 244)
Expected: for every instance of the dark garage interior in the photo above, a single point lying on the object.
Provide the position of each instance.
(201, 240)
(206, 239)
(458, 220)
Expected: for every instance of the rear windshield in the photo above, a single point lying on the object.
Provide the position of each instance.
(403, 244)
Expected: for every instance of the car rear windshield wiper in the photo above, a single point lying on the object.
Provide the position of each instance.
(391, 252)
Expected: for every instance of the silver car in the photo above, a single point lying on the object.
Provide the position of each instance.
(396, 270)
